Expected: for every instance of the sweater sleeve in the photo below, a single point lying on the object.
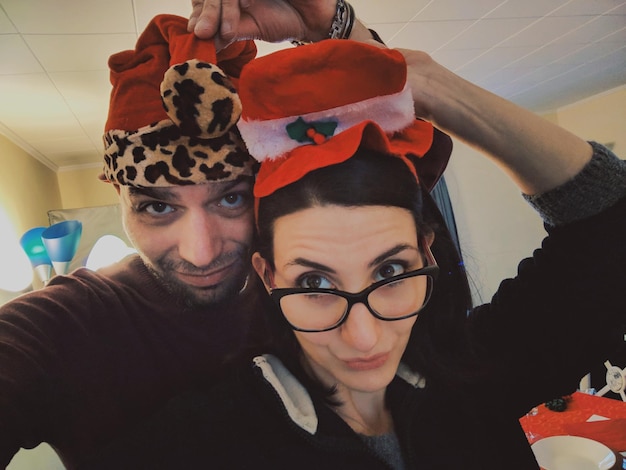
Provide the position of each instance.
(39, 334)
(27, 356)
(563, 312)
(600, 184)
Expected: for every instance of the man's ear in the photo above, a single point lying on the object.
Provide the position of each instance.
(260, 266)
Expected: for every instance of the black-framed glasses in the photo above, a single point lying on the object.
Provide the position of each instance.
(395, 298)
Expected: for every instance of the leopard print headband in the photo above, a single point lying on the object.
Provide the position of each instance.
(198, 144)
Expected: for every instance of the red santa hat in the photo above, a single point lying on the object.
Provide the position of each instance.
(313, 106)
(173, 110)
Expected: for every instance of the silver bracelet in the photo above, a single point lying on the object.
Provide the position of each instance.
(343, 21)
(341, 28)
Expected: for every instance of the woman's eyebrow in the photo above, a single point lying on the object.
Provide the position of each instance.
(379, 259)
(392, 251)
(310, 264)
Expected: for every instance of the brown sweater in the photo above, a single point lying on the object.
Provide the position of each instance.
(93, 353)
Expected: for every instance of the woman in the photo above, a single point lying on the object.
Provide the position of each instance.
(374, 361)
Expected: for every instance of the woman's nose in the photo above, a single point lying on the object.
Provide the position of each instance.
(361, 330)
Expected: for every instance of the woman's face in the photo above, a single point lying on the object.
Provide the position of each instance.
(348, 249)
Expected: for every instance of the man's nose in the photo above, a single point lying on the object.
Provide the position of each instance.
(200, 240)
(361, 330)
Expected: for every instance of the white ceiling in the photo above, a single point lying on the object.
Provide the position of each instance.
(541, 54)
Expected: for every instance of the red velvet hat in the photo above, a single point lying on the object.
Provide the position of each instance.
(173, 109)
(312, 106)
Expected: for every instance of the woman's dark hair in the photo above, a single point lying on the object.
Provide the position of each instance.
(369, 178)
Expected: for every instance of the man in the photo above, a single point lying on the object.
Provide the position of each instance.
(93, 353)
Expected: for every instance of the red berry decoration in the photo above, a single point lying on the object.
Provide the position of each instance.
(319, 139)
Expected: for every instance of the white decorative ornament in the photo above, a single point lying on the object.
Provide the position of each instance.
(615, 381)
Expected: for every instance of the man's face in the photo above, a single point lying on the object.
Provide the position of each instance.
(196, 238)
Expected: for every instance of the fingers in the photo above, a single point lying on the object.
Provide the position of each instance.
(229, 20)
(196, 8)
(205, 18)
(217, 19)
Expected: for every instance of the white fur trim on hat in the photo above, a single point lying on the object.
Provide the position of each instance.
(269, 139)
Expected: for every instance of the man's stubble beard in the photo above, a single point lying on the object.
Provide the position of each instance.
(196, 297)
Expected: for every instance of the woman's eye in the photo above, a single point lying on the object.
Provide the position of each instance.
(389, 270)
(314, 281)
(157, 208)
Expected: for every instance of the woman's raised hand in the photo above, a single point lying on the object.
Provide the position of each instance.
(269, 20)
(537, 154)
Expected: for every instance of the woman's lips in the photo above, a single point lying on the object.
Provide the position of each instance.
(367, 363)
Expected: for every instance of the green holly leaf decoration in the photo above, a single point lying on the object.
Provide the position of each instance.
(299, 129)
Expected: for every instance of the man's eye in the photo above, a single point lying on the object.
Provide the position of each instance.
(314, 281)
(389, 270)
(156, 208)
(233, 201)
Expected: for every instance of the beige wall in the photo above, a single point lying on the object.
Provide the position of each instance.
(496, 226)
(82, 188)
(601, 118)
(28, 188)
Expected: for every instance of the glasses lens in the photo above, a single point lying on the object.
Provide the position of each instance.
(401, 298)
(313, 311)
